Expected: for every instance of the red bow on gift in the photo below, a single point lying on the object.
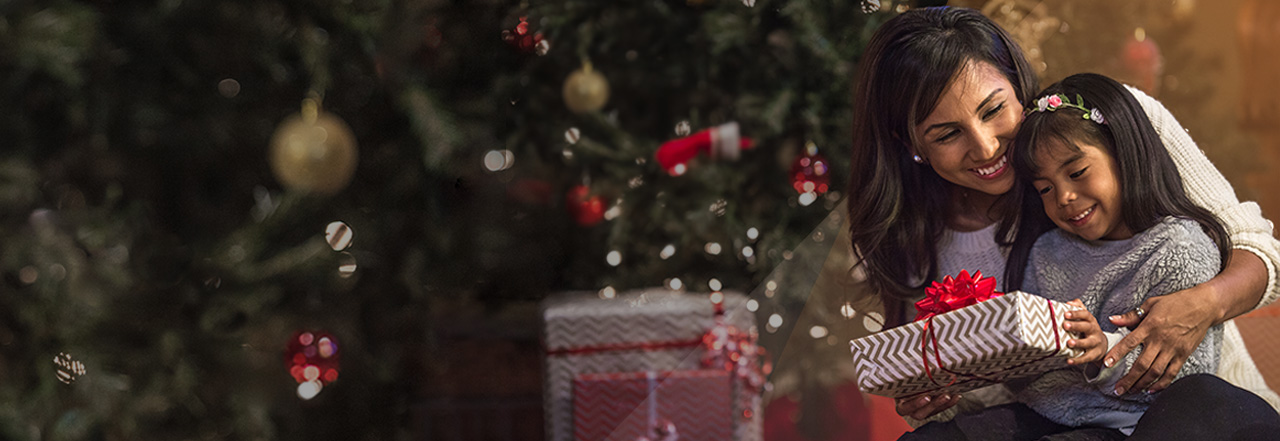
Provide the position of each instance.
(953, 294)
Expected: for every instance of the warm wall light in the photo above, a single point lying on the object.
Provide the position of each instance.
(1259, 39)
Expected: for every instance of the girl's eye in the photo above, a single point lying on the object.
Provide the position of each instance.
(991, 113)
(1044, 191)
(1079, 173)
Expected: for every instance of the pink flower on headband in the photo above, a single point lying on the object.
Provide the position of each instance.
(1054, 101)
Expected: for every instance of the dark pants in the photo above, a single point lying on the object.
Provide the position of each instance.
(1203, 406)
(1196, 407)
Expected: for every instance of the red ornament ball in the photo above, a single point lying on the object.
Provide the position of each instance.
(587, 209)
(312, 356)
(809, 174)
(523, 39)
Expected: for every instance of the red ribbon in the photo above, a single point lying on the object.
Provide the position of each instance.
(953, 294)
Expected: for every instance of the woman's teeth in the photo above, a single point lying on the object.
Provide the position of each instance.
(994, 168)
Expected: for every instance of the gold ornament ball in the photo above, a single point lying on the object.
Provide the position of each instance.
(586, 90)
(313, 151)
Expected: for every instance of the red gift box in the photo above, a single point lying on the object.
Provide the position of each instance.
(686, 405)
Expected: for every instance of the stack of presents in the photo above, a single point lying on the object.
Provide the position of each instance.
(652, 365)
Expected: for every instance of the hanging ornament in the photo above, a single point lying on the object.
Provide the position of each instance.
(313, 151)
(524, 40)
(1142, 61)
(809, 173)
(720, 142)
(586, 90)
(870, 6)
(69, 369)
(587, 209)
(312, 358)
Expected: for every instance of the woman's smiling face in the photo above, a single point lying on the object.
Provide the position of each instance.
(966, 138)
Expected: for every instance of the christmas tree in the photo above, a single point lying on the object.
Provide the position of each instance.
(248, 220)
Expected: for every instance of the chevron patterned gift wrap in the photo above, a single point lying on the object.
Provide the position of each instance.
(684, 405)
(636, 331)
(1011, 336)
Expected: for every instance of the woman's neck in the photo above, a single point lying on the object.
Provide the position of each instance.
(971, 210)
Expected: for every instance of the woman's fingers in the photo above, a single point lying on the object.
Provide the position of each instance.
(1156, 372)
(925, 406)
(1175, 366)
(1129, 319)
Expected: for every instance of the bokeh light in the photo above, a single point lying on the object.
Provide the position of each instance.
(339, 235)
(667, 252)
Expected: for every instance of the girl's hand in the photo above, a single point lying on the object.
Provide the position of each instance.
(1089, 338)
(1169, 332)
(924, 406)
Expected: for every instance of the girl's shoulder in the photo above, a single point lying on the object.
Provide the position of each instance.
(1177, 239)
(1176, 229)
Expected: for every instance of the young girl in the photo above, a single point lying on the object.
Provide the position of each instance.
(1089, 159)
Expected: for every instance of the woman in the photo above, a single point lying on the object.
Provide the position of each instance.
(938, 102)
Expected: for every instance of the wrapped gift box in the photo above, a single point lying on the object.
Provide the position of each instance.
(684, 405)
(1007, 337)
(636, 331)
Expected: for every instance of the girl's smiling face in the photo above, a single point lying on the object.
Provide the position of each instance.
(966, 137)
(1080, 188)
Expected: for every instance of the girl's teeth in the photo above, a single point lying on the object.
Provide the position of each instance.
(1082, 215)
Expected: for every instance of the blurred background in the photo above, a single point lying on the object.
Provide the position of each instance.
(337, 219)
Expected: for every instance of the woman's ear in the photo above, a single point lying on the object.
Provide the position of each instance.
(915, 154)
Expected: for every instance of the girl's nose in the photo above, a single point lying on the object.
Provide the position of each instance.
(1065, 196)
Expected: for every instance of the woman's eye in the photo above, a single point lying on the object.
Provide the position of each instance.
(947, 136)
(991, 113)
(1079, 173)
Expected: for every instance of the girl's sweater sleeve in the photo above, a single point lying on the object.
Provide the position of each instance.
(1209, 189)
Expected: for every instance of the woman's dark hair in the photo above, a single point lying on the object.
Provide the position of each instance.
(1150, 186)
(895, 205)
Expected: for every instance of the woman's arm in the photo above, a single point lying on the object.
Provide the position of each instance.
(1249, 231)
(1175, 324)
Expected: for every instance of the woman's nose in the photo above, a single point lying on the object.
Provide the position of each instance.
(987, 143)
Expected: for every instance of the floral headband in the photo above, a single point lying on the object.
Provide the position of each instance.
(1054, 102)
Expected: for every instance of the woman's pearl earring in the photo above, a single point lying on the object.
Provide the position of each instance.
(917, 159)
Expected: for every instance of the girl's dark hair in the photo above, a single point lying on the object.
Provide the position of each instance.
(895, 205)
(1150, 185)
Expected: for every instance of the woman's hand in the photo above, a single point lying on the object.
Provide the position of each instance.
(1171, 329)
(1090, 339)
(924, 406)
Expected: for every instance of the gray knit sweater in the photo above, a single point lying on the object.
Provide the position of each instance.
(1113, 277)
